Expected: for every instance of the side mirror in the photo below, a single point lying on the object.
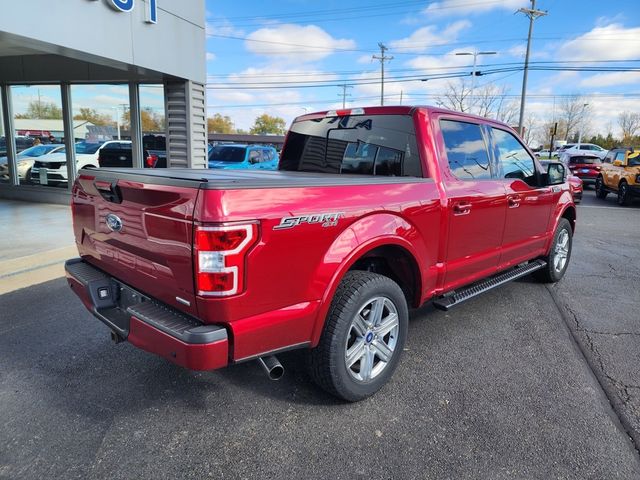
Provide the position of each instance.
(617, 163)
(556, 173)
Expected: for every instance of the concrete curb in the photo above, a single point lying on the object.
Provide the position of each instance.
(31, 270)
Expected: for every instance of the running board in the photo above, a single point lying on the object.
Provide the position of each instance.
(448, 301)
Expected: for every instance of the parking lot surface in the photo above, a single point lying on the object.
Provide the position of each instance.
(496, 388)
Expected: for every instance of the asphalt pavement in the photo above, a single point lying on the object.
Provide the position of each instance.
(498, 387)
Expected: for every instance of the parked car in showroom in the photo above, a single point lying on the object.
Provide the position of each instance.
(575, 183)
(52, 169)
(243, 157)
(586, 166)
(25, 160)
(620, 174)
(22, 143)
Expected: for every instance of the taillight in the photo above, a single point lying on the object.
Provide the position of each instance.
(220, 253)
(151, 160)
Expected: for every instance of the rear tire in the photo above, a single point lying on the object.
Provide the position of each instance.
(559, 254)
(363, 337)
(624, 197)
(601, 192)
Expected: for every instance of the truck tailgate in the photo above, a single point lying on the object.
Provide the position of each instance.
(138, 231)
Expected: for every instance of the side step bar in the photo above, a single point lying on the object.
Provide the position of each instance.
(448, 301)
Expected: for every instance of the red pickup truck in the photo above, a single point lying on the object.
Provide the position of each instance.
(372, 212)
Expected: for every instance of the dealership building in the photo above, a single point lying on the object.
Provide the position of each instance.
(67, 65)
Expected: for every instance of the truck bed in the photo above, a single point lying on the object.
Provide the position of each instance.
(243, 179)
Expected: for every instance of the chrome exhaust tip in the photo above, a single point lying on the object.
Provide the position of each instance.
(272, 367)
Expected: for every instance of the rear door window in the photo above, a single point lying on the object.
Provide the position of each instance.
(466, 150)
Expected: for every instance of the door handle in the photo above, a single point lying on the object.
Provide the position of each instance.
(461, 208)
(514, 201)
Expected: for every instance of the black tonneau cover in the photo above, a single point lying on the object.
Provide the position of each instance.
(242, 179)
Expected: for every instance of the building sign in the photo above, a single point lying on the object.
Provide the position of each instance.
(128, 5)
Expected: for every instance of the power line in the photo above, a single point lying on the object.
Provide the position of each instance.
(397, 70)
(426, 95)
(350, 13)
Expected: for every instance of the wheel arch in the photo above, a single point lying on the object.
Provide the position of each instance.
(368, 245)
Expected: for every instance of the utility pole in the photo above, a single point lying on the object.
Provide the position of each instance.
(533, 14)
(383, 58)
(344, 93)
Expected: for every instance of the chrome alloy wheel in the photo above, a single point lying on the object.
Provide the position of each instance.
(371, 339)
(561, 251)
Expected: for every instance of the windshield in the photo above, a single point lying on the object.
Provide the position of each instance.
(227, 154)
(37, 151)
(84, 147)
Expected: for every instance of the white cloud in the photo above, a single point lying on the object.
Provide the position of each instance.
(295, 43)
(426, 37)
(611, 79)
(211, 56)
(464, 7)
(222, 26)
(611, 42)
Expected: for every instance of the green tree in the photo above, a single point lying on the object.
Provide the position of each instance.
(266, 124)
(149, 120)
(92, 115)
(42, 110)
(220, 124)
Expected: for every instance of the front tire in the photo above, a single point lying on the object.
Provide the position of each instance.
(601, 192)
(624, 197)
(559, 254)
(363, 337)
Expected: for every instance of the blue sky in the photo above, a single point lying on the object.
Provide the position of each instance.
(292, 43)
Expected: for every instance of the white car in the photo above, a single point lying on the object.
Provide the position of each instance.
(573, 149)
(26, 158)
(545, 154)
(52, 169)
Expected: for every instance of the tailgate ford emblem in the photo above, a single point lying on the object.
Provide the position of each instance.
(113, 222)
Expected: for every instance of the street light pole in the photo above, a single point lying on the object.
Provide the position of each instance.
(475, 54)
(532, 13)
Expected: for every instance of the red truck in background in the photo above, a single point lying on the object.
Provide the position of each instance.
(372, 212)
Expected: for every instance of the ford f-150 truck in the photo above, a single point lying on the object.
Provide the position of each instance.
(372, 212)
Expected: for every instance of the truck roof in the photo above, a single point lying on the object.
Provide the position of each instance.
(397, 110)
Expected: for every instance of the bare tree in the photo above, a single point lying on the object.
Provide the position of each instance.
(489, 100)
(457, 97)
(629, 122)
(573, 112)
(530, 125)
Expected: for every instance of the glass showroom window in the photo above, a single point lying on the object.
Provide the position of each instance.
(39, 135)
(4, 160)
(101, 125)
(152, 120)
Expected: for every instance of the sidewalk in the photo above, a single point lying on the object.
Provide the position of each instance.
(37, 238)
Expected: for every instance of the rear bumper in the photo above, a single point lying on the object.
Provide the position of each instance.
(146, 323)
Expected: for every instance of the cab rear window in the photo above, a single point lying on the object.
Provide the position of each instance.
(383, 145)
